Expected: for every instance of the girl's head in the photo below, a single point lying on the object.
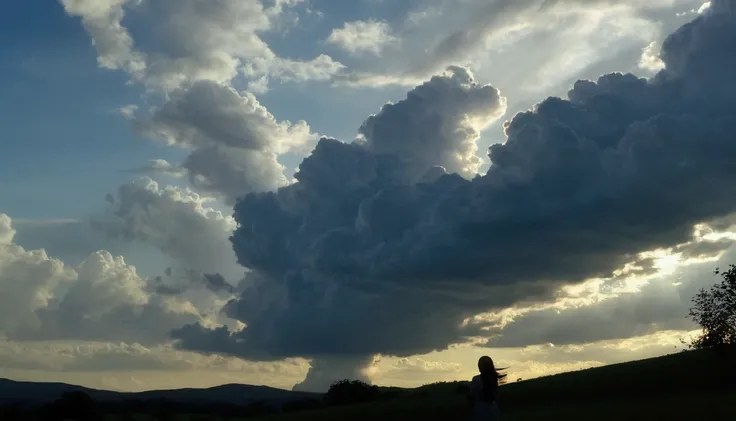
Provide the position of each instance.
(488, 369)
(485, 365)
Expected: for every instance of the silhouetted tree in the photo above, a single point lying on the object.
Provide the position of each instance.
(715, 311)
(71, 405)
(345, 392)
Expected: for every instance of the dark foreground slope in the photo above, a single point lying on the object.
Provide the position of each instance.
(696, 385)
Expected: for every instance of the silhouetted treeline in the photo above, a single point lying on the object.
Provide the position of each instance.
(714, 310)
(345, 392)
(80, 406)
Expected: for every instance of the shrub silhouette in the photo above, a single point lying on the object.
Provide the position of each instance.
(71, 405)
(345, 392)
(715, 311)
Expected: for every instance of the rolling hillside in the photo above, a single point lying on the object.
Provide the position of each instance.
(696, 385)
(33, 393)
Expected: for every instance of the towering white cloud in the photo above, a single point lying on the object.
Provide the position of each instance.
(175, 220)
(109, 301)
(103, 299)
(103, 21)
(209, 113)
(28, 280)
(192, 52)
(323, 372)
(196, 40)
(7, 233)
(650, 58)
(438, 124)
(235, 141)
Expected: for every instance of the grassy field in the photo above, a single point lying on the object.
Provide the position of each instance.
(697, 385)
(701, 407)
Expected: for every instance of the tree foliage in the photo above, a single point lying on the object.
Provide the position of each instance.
(75, 405)
(714, 310)
(345, 392)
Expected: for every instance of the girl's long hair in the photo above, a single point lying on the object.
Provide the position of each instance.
(491, 376)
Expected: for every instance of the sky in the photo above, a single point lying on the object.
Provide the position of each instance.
(291, 192)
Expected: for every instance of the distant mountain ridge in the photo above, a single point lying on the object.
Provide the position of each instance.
(12, 391)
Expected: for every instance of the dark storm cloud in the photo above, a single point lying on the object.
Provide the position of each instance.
(167, 289)
(704, 249)
(217, 283)
(353, 260)
(181, 281)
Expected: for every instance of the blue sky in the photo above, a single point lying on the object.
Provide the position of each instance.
(55, 100)
(129, 129)
(61, 103)
(55, 80)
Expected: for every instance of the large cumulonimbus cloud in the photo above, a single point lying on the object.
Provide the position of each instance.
(438, 124)
(376, 250)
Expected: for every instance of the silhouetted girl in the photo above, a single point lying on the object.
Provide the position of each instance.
(483, 390)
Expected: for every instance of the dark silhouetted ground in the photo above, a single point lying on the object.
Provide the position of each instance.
(694, 385)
